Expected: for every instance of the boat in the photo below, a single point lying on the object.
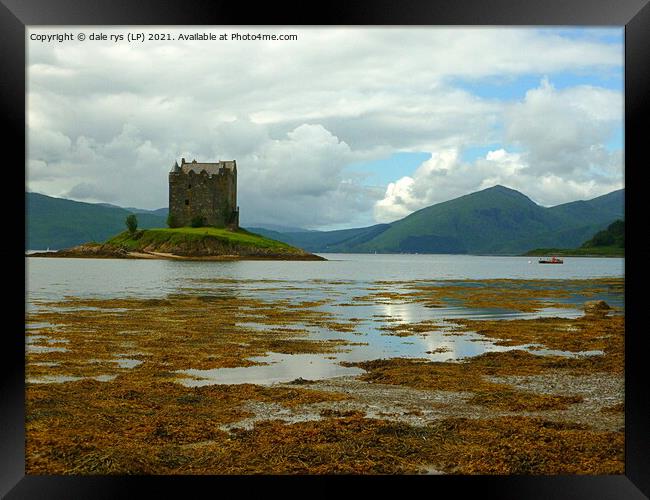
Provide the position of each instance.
(552, 260)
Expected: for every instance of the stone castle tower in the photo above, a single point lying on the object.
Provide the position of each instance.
(206, 190)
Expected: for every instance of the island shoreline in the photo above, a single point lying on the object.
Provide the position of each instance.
(162, 256)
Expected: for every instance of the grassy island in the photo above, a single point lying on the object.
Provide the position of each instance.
(201, 243)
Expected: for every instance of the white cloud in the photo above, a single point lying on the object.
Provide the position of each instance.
(299, 179)
(564, 131)
(561, 136)
(106, 120)
(444, 177)
(398, 201)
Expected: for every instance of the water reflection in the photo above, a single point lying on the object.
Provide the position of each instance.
(281, 368)
(33, 344)
(441, 344)
(341, 282)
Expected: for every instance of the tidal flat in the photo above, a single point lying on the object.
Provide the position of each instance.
(229, 376)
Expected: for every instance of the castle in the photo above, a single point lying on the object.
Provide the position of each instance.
(203, 194)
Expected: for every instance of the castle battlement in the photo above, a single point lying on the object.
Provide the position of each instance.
(218, 168)
(206, 190)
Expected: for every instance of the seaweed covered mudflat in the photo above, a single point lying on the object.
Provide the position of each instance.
(531, 385)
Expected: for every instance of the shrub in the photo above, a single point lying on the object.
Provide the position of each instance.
(198, 221)
(171, 221)
(131, 223)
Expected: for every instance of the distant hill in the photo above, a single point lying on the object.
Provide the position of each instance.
(613, 236)
(57, 223)
(343, 240)
(609, 242)
(276, 227)
(592, 211)
(496, 221)
(159, 211)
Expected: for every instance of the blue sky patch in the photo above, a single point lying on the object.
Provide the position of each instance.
(617, 140)
(515, 88)
(611, 35)
(381, 172)
(471, 154)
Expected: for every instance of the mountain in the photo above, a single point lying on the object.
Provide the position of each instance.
(160, 211)
(342, 240)
(613, 236)
(276, 227)
(591, 211)
(609, 242)
(497, 220)
(482, 222)
(59, 223)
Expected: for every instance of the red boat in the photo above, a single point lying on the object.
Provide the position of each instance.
(552, 260)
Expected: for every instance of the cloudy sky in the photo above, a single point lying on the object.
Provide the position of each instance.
(339, 128)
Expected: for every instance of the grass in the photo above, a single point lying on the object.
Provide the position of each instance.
(143, 238)
(190, 243)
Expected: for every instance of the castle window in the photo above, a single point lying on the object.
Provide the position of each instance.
(189, 186)
(187, 202)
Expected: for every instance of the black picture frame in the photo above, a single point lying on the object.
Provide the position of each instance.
(15, 15)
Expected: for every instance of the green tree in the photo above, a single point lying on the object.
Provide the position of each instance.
(132, 223)
(171, 221)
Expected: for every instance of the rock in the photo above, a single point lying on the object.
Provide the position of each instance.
(301, 381)
(596, 306)
(94, 250)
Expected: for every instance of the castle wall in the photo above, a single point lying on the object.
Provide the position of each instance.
(214, 197)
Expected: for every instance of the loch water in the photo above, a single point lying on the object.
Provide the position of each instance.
(338, 280)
